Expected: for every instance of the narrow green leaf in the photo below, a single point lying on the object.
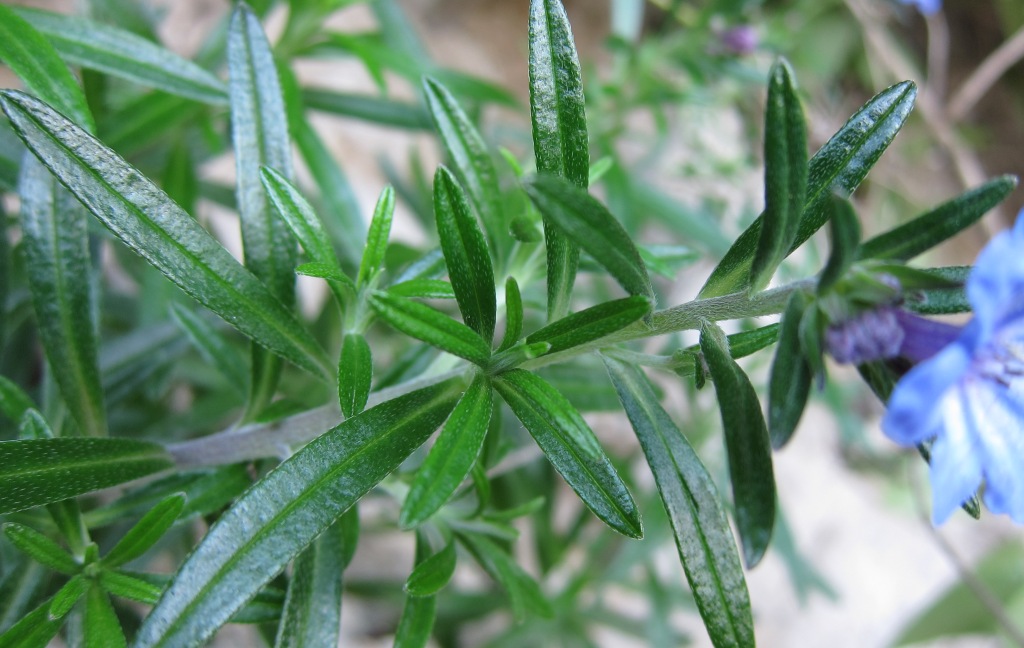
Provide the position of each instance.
(299, 215)
(119, 53)
(34, 426)
(33, 629)
(592, 323)
(279, 516)
(560, 140)
(513, 315)
(331, 272)
(452, 456)
(423, 289)
(790, 381)
(30, 56)
(42, 549)
(465, 254)
(312, 607)
(56, 245)
(570, 445)
(432, 574)
(785, 173)
(355, 373)
(129, 587)
(212, 346)
(417, 622)
(13, 401)
(747, 445)
(431, 326)
(472, 161)
(35, 472)
(377, 110)
(844, 228)
(931, 228)
(377, 237)
(942, 301)
(591, 226)
(67, 596)
(100, 626)
(22, 580)
(180, 177)
(151, 224)
(523, 591)
(703, 537)
(146, 532)
(838, 167)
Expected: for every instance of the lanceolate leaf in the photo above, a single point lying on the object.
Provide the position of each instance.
(377, 238)
(431, 326)
(465, 254)
(472, 160)
(702, 532)
(40, 548)
(838, 167)
(56, 245)
(278, 517)
(559, 133)
(122, 54)
(151, 224)
(146, 532)
(572, 448)
(312, 608)
(42, 471)
(36, 628)
(298, 214)
(587, 222)
(844, 229)
(790, 381)
(928, 230)
(513, 314)
(28, 54)
(592, 323)
(355, 373)
(100, 626)
(433, 573)
(452, 457)
(417, 622)
(785, 173)
(380, 110)
(746, 443)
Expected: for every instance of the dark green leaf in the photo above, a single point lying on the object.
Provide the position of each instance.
(41, 471)
(377, 238)
(180, 177)
(212, 346)
(100, 626)
(146, 532)
(280, 516)
(431, 326)
(30, 56)
(590, 225)
(838, 167)
(423, 289)
(703, 537)
(13, 401)
(845, 237)
(129, 587)
(560, 141)
(104, 48)
(572, 448)
(592, 323)
(36, 629)
(56, 245)
(928, 230)
(785, 174)
(790, 381)
(42, 549)
(523, 592)
(378, 110)
(432, 574)
(417, 622)
(355, 373)
(452, 456)
(465, 254)
(147, 221)
(746, 443)
(312, 608)
(513, 315)
(472, 161)
(942, 301)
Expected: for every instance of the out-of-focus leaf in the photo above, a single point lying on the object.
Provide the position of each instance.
(36, 628)
(838, 167)
(417, 622)
(513, 314)
(591, 323)
(148, 222)
(591, 226)
(845, 237)
(931, 228)
(377, 238)
(523, 592)
(13, 401)
(40, 548)
(146, 532)
(747, 445)
(790, 381)
(42, 471)
(179, 179)
(120, 53)
(560, 141)
(432, 574)
(100, 626)
(667, 260)
(431, 326)
(355, 374)
(213, 347)
(465, 254)
(378, 110)
(146, 121)
(570, 445)
(278, 517)
(702, 532)
(785, 173)
(312, 608)
(452, 456)
(423, 289)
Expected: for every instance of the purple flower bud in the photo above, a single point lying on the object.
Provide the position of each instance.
(740, 40)
(871, 335)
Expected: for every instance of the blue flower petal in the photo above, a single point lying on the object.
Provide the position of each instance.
(955, 466)
(913, 412)
(1000, 442)
(995, 288)
(927, 7)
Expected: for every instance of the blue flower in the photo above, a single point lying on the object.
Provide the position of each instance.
(927, 7)
(969, 396)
